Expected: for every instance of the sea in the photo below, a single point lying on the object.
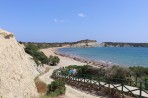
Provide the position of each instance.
(123, 56)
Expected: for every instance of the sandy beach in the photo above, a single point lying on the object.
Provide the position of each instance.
(64, 61)
(94, 63)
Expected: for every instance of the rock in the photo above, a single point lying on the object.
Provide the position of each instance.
(17, 69)
(85, 43)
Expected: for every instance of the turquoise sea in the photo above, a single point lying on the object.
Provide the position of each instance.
(125, 56)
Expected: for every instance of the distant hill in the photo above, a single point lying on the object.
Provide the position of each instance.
(81, 43)
(120, 44)
(85, 43)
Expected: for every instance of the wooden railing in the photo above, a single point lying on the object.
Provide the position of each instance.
(125, 87)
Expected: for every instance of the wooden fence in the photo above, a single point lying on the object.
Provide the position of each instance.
(125, 87)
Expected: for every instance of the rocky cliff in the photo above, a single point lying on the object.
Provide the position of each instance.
(85, 43)
(17, 69)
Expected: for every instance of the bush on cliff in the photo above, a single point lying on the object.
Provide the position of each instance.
(56, 88)
(36, 54)
(54, 60)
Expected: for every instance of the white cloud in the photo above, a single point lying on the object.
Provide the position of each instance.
(81, 15)
(58, 21)
(55, 20)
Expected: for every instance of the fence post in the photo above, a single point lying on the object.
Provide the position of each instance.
(136, 81)
(99, 81)
(90, 79)
(84, 78)
(65, 77)
(145, 82)
(109, 84)
(69, 78)
(130, 82)
(140, 90)
(122, 87)
(78, 79)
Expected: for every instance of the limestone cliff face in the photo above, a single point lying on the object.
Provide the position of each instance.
(85, 43)
(17, 69)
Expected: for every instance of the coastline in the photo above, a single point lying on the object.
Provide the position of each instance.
(94, 63)
(71, 92)
(65, 61)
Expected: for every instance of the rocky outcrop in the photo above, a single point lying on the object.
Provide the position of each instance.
(85, 43)
(17, 69)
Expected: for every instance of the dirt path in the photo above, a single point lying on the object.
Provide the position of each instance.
(70, 92)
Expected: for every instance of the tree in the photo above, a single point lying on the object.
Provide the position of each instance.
(54, 60)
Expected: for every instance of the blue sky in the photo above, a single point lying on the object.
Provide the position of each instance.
(73, 20)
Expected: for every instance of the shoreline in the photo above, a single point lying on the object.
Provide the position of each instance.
(65, 61)
(94, 63)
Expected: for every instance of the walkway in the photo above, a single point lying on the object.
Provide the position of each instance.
(137, 92)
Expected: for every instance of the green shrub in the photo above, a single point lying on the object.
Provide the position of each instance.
(56, 88)
(109, 74)
(36, 54)
(139, 70)
(117, 73)
(41, 57)
(54, 60)
(54, 74)
(86, 69)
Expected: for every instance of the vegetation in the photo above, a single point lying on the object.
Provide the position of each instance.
(80, 69)
(117, 74)
(56, 88)
(43, 45)
(54, 60)
(125, 44)
(139, 71)
(39, 57)
(114, 73)
(49, 45)
(87, 69)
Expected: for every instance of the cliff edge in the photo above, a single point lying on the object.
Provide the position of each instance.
(85, 43)
(17, 69)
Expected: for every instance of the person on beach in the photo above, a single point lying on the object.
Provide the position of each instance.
(70, 71)
(74, 71)
(58, 72)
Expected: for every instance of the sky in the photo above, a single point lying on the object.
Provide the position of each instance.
(73, 20)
